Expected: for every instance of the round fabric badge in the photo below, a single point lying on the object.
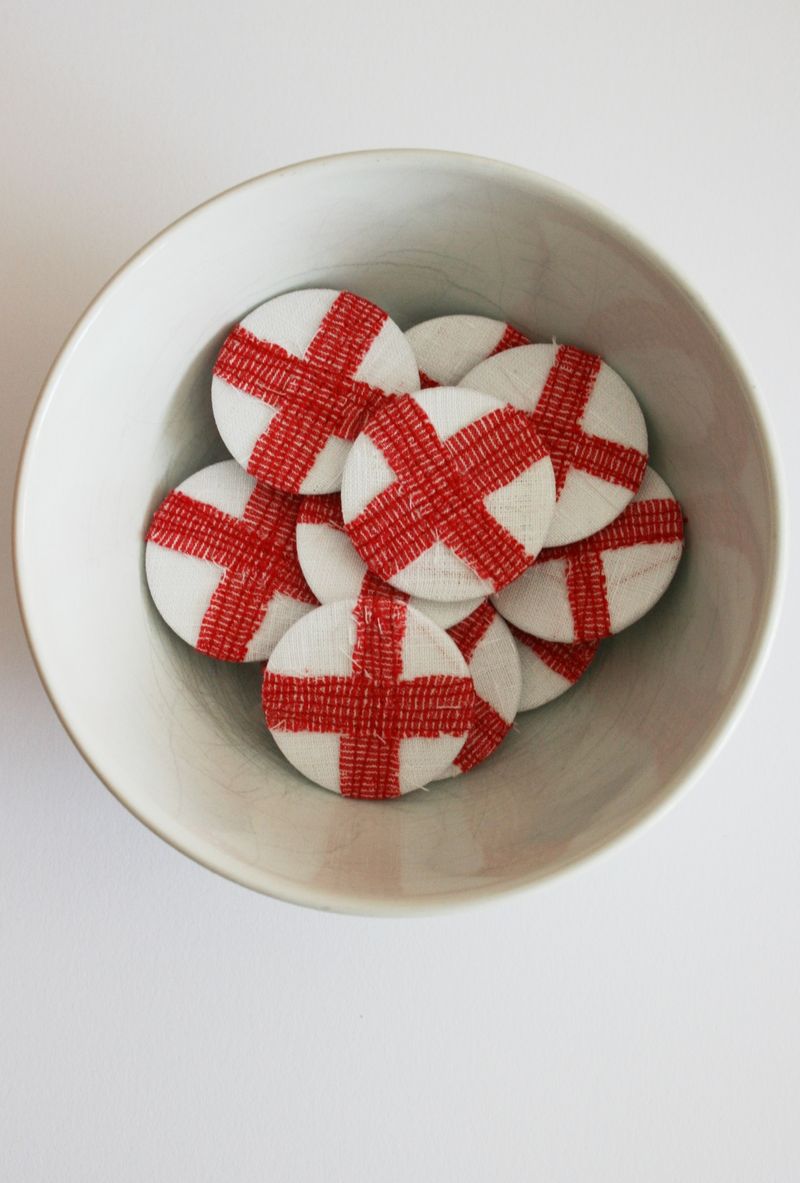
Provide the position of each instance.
(222, 566)
(368, 697)
(590, 422)
(294, 382)
(486, 644)
(334, 569)
(448, 494)
(549, 668)
(593, 588)
(448, 347)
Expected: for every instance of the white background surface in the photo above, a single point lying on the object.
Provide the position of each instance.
(638, 1021)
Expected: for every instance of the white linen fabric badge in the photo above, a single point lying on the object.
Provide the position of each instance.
(222, 566)
(294, 382)
(335, 570)
(549, 668)
(448, 347)
(486, 644)
(593, 588)
(448, 494)
(591, 424)
(368, 697)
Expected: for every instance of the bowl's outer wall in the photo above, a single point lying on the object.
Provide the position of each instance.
(126, 414)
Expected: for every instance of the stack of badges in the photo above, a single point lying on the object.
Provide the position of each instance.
(419, 534)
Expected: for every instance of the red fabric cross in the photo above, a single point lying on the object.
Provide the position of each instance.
(510, 339)
(317, 396)
(373, 709)
(321, 509)
(258, 554)
(487, 727)
(439, 490)
(570, 661)
(557, 417)
(469, 633)
(657, 520)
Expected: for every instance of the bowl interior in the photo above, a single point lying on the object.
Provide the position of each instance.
(127, 414)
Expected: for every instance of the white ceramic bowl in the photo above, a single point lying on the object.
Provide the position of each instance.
(126, 413)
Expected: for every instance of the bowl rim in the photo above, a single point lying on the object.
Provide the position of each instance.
(357, 903)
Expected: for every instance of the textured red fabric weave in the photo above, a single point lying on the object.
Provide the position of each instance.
(373, 709)
(656, 520)
(487, 727)
(439, 490)
(487, 730)
(322, 509)
(468, 633)
(317, 395)
(257, 551)
(510, 339)
(570, 661)
(557, 417)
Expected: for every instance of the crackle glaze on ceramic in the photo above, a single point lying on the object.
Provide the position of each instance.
(126, 414)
